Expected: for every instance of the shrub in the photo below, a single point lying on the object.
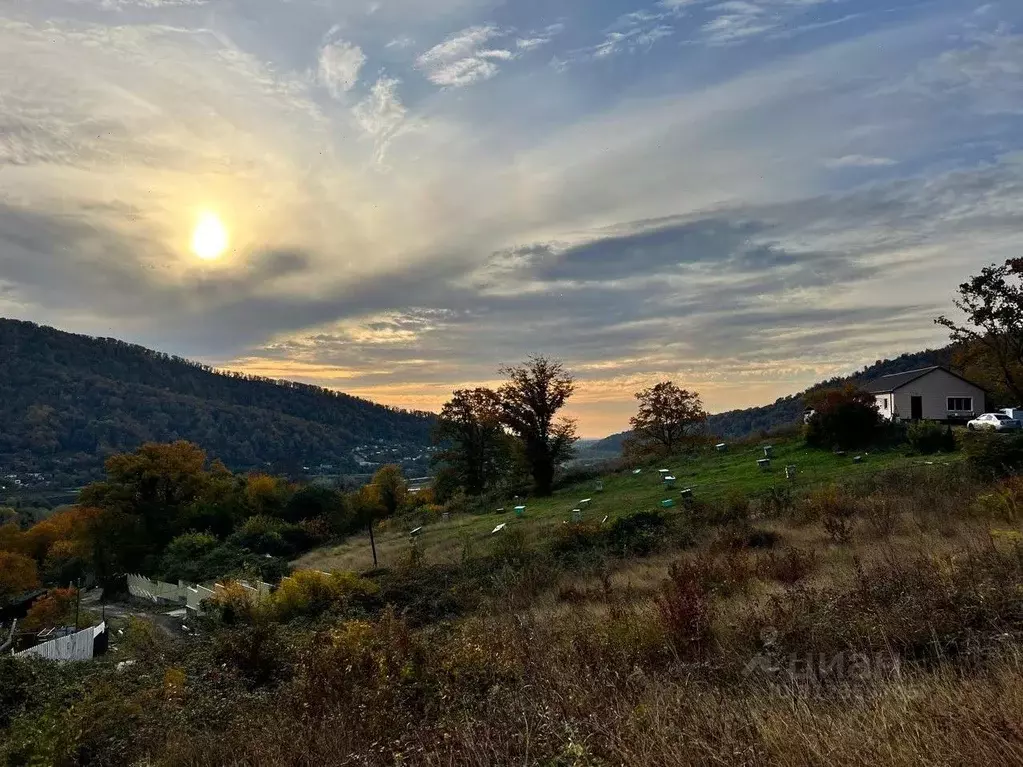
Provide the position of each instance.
(778, 500)
(843, 418)
(266, 535)
(993, 454)
(685, 610)
(1004, 501)
(839, 523)
(928, 437)
(834, 509)
(256, 650)
(510, 546)
(735, 508)
(925, 608)
(314, 502)
(309, 593)
(577, 538)
(261, 534)
(742, 536)
(638, 534)
(183, 557)
(788, 566)
(882, 514)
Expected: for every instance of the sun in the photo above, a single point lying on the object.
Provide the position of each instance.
(209, 238)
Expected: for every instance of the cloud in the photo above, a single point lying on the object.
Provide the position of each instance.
(539, 39)
(462, 59)
(674, 218)
(986, 72)
(401, 43)
(858, 161)
(381, 113)
(339, 66)
(148, 4)
(738, 21)
(629, 33)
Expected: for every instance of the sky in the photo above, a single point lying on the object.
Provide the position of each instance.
(744, 196)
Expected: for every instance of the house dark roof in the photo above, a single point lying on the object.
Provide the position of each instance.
(890, 383)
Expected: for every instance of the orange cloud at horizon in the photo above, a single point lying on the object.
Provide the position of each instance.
(600, 406)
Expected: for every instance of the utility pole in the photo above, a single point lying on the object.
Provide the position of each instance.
(78, 600)
(372, 543)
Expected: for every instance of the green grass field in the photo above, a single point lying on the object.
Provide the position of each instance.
(712, 476)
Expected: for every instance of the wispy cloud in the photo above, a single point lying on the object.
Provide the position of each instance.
(402, 42)
(381, 113)
(737, 21)
(858, 161)
(629, 33)
(539, 39)
(113, 5)
(463, 58)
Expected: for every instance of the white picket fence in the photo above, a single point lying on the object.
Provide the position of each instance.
(78, 646)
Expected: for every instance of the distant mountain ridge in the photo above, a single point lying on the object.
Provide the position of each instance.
(788, 410)
(67, 401)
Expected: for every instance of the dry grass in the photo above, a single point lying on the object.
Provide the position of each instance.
(769, 642)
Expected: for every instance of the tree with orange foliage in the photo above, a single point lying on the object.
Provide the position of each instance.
(76, 524)
(54, 609)
(18, 574)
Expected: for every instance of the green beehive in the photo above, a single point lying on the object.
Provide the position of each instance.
(667, 503)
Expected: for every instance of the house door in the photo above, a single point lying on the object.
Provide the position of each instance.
(916, 408)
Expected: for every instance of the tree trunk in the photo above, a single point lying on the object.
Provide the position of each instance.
(543, 478)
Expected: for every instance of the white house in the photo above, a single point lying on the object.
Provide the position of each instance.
(931, 394)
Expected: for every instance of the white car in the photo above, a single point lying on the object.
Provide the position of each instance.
(994, 422)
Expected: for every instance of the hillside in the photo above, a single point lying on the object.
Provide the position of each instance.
(788, 410)
(67, 401)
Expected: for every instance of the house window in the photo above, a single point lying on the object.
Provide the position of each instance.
(960, 404)
(885, 403)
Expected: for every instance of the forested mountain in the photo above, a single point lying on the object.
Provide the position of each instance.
(67, 401)
(789, 410)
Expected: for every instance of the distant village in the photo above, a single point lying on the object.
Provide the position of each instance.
(414, 461)
(25, 480)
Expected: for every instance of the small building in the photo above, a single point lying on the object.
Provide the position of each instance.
(929, 394)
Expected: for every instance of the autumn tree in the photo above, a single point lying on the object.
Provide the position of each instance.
(475, 442)
(18, 574)
(843, 418)
(266, 495)
(144, 497)
(668, 418)
(390, 488)
(992, 303)
(536, 391)
(56, 608)
(12, 538)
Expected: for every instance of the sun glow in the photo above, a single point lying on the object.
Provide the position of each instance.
(209, 238)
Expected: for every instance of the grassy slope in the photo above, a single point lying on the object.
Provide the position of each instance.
(711, 475)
